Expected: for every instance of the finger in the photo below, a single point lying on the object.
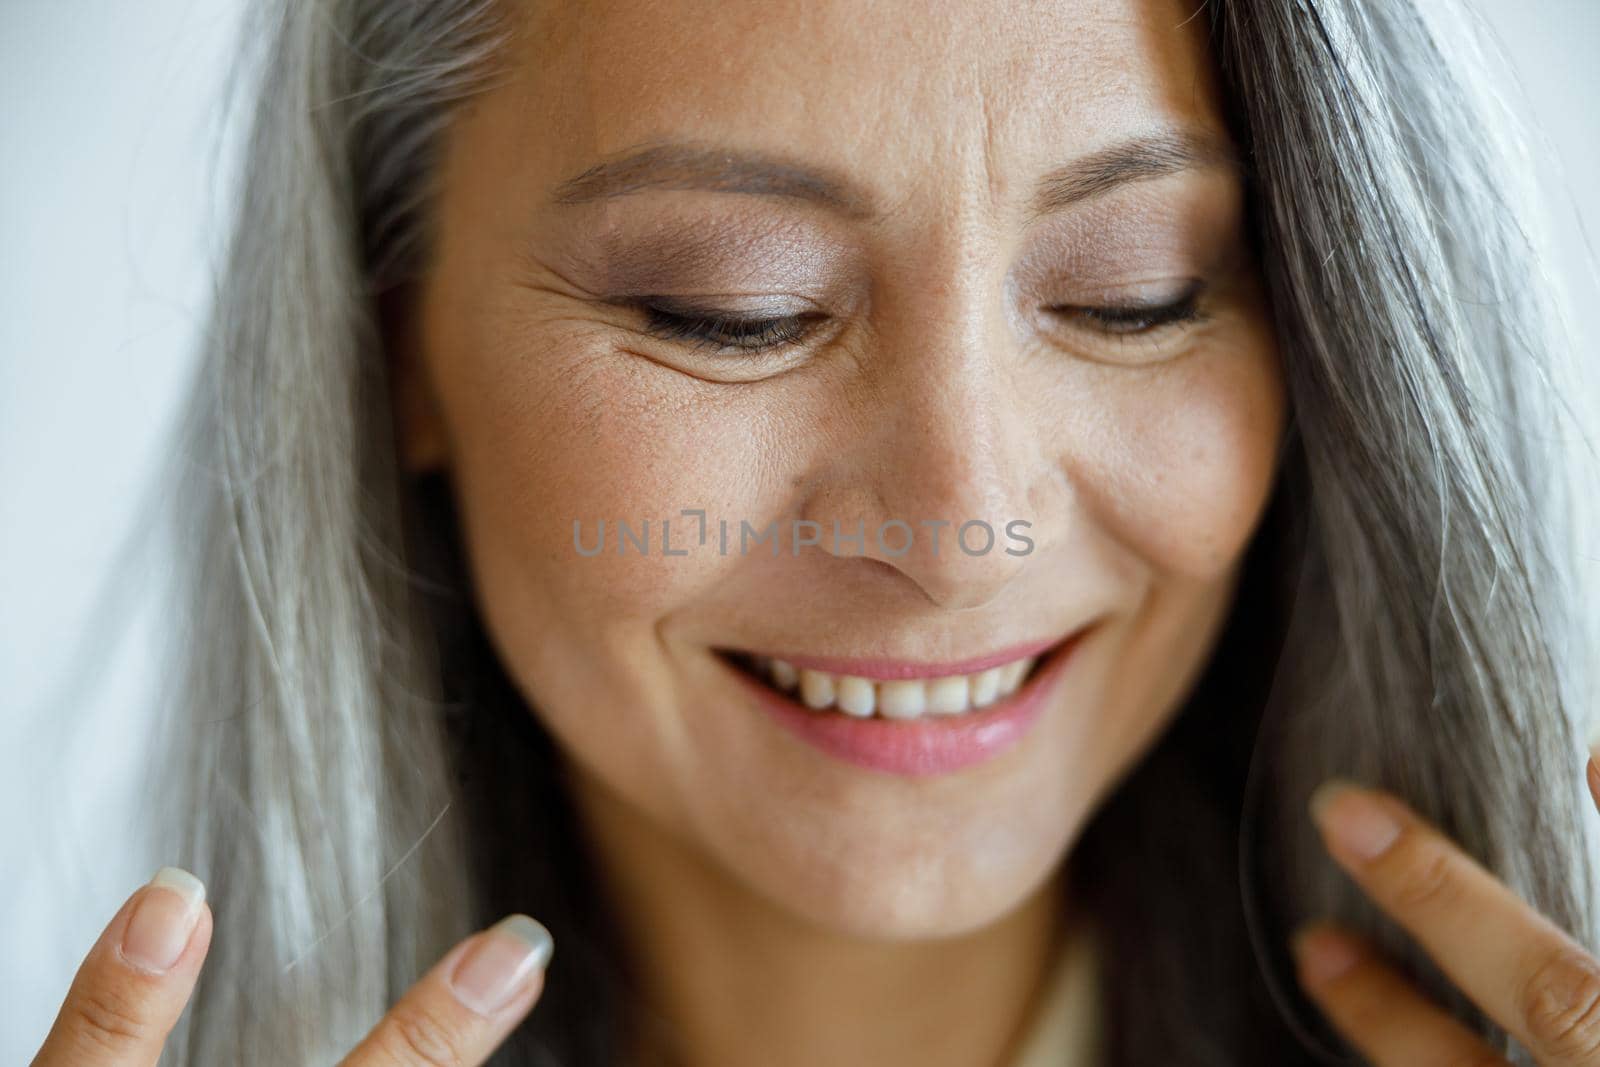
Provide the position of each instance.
(1382, 1014)
(1517, 965)
(1592, 772)
(134, 982)
(460, 1011)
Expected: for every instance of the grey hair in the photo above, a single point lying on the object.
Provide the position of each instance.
(1409, 620)
(1438, 643)
(315, 785)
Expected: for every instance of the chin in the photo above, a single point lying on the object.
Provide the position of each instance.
(904, 882)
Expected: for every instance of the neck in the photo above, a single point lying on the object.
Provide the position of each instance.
(728, 978)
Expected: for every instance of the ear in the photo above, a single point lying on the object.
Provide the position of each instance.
(420, 441)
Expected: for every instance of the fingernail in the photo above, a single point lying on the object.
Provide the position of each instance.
(1323, 954)
(497, 968)
(1354, 817)
(159, 928)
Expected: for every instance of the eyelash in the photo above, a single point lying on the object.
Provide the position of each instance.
(702, 330)
(1139, 319)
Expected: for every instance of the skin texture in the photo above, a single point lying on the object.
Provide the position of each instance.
(936, 385)
(786, 908)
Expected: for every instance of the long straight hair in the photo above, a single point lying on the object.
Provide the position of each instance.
(361, 785)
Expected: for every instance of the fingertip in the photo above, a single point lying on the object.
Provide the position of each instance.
(160, 929)
(541, 943)
(503, 966)
(1323, 952)
(199, 942)
(134, 982)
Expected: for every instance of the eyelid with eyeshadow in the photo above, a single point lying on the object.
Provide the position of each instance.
(701, 327)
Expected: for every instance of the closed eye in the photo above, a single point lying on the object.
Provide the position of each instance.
(1125, 319)
(708, 328)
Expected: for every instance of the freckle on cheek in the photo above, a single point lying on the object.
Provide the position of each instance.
(1190, 507)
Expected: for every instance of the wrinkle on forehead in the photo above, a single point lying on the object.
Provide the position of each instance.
(911, 95)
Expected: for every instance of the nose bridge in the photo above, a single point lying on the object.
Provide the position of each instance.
(944, 451)
(943, 467)
(942, 380)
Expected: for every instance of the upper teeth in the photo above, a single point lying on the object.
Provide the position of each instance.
(901, 699)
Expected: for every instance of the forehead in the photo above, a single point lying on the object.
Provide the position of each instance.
(903, 92)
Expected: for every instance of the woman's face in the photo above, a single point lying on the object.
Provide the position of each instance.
(956, 263)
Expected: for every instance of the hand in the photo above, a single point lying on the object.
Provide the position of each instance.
(136, 979)
(1525, 972)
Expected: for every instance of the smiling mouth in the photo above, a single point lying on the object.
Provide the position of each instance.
(951, 695)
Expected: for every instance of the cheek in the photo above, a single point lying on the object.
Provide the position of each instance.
(1183, 460)
(559, 432)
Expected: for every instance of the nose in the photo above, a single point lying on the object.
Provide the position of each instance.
(937, 474)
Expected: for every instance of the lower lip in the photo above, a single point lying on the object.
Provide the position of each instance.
(930, 745)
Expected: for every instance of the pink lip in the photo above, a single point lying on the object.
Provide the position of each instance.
(888, 670)
(937, 744)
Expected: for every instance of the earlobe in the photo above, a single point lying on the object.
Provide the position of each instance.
(418, 426)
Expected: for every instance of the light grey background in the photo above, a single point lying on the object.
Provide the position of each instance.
(114, 172)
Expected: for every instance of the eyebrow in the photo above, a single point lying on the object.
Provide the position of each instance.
(694, 165)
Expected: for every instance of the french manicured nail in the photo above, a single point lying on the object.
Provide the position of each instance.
(1323, 954)
(158, 930)
(1354, 818)
(499, 966)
